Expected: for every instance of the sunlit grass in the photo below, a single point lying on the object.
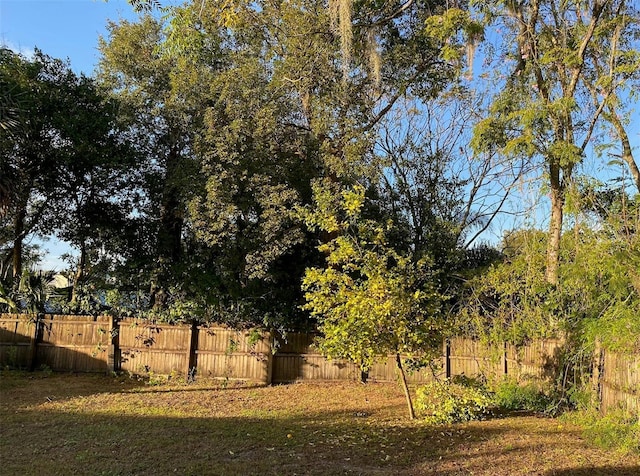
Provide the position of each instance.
(66, 424)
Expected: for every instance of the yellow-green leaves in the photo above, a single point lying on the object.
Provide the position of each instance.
(453, 29)
(370, 301)
(353, 200)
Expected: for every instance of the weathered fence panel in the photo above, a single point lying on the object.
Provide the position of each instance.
(537, 360)
(231, 354)
(17, 340)
(74, 343)
(98, 344)
(472, 358)
(387, 371)
(61, 343)
(620, 382)
(296, 359)
(149, 347)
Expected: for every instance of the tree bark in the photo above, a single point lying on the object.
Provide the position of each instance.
(79, 275)
(627, 152)
(18, 229)
(405, 386)
(555, 225)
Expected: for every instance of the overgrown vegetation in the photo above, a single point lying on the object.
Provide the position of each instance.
(304, 165)
(512, 395)
(453, 401)
(616, 430)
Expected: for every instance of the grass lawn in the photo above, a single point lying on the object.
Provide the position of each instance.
(58, 424)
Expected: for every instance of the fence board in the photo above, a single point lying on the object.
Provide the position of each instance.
(73, 343)
(149, 347)
(472, 358)
(386, 371)
(232, 354)
(537, 360)
(296, 359)
(16, 335)
(85, 344)
(620, 382)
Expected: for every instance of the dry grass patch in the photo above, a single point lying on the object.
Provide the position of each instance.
(66, 424)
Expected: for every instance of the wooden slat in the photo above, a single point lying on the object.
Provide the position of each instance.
(81, 344)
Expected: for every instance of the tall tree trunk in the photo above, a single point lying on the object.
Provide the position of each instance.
(18, 241)
(171, 225)
(555, 225)
(405, 386)
(170, 232)
(627, 152)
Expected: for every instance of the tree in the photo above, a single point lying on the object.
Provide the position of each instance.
(161, 122)
(442, 197)
(596, 304)
(9, 124)
(558, 91)
(370, 301)
(66, 152)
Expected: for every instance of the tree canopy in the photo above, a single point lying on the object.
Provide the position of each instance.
(339, 166)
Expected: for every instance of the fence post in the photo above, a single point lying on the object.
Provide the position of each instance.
(505, 364)
(192, 352)
(36, 337)
(270, 358)
(113, 354)
(447, 358)
(597, 369)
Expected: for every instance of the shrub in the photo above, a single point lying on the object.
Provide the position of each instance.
(510, 395)
(450, 402)
(616, 430)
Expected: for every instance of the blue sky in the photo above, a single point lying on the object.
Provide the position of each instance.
(60, 28)
(64, 29)
(69, 29)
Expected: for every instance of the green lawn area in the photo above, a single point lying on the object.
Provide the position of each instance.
(58, 424)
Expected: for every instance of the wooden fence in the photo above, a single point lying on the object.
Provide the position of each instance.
(61, 343)
(296, 359)
(538, 360)
(102, 344)
(616, 381)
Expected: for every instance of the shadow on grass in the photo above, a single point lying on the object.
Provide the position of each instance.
(23, 388)
(327, 443)
(158, 433)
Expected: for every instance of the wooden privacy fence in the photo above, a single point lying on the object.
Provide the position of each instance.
(102, 344)
(214, 352)
(63, 343)
(297, 359)
(616, 380)
(538, 360)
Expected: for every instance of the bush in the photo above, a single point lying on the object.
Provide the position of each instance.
(615, 430)
(510, 395)
(450, 402)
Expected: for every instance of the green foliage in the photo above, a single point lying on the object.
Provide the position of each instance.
(555, 88)
(616, 430)
(67, 164)
(153, 379)
(369, 301)
(596, 299)
(450, 402)
(512, 301)
(598, 296)
(509, 394)
(33, 294)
